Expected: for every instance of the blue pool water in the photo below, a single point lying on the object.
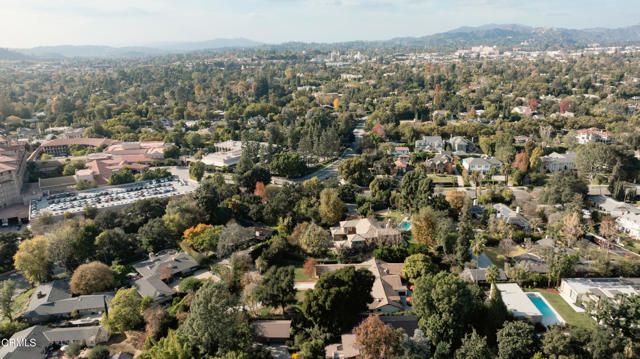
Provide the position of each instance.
(404, 226)
(548, 316)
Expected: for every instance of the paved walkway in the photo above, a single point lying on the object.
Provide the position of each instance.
(304, 285)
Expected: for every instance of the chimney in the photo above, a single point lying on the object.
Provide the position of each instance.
(518, 209)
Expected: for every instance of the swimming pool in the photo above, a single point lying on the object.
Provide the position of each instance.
(549, 316)
(404, 226)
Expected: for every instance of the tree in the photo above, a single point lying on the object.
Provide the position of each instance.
(196, 170)
(424, 227)
(91, 278)
(232, 237)
(504, 149)
(477, 247)
(6, 298)
(171, 151)
(207, 198)
(73, 350)
(416, 266)
(375, 339)
(182, 213)
(90, 212)
(99, 352)
(492, 274)
(114, 245)
(473, 346)
(155, 236)
(355, 171)
(521, 162)
(216, 324)
(288, 164)
(309, 267)
(121, 177)
(456, 199)
(276, 287)
(315, 240)
(594, 158)
(619, 313)
(416, 347)
(516, 340)
(125, 311)
(444, 304)
(325, 305)
(563, 187)
(465, 233)
(32, 258)
(535, 160)
(71, 167)
(331, 207)
(173, 346)
(572, 228)
(608, 229)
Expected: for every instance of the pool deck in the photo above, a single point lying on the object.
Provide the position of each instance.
(548, 321)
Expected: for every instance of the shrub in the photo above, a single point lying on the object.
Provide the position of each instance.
(91, 278)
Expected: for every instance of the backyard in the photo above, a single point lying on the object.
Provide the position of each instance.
(567, 313)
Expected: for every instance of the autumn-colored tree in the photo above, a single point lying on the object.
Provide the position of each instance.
(259, 191)
(375, 339)
(521, 162)
(32, 258)
(91, 278)
(424, 226)
(309, 267)
(336, 104)
(535, 161)
(331, 207)
(608, 229)
(533, 103)
(196, 231)
(572, 229)
(564, 104)
(456, 198)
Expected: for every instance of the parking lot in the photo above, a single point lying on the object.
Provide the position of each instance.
(107, 197)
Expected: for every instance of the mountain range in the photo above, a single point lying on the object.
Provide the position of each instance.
(491, 34)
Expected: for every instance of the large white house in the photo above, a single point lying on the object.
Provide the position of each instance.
(592, 135)
(481, 164)
(559, 161)
(630, 224)
(430, 143)
(578, 291)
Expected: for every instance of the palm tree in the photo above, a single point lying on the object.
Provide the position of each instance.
(477, 247)
(492, 274)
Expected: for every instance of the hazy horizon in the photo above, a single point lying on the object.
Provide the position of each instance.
(31, 23)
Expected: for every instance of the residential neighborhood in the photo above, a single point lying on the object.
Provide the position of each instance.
(471, 194)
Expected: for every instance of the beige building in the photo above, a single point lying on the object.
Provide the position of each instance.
(366, 231)
(12, 168)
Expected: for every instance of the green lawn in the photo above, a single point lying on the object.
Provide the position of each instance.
(299, 275)
(497, 258)
(21, 302)
(632, 245)
(444, 179)
(567, 313)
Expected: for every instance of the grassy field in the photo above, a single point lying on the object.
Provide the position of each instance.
(632, 245)
(567, 313)
(437, 179)
(21, 302)
(498, 259)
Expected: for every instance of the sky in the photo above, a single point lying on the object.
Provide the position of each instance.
(29, 23)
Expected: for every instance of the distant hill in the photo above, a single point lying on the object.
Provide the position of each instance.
(6, 54)
(69, 51)
(206, 45)
(513, 34)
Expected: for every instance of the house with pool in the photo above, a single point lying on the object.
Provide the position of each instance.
(531, 306)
